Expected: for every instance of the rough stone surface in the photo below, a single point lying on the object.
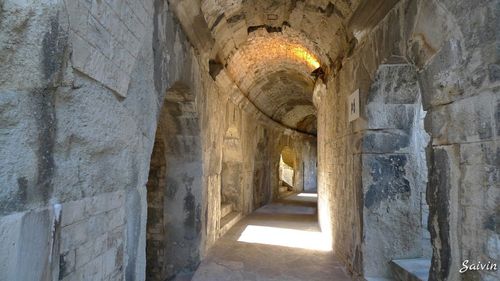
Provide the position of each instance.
(459, 95)
(85, 85)
(394, 172)
(31, 237)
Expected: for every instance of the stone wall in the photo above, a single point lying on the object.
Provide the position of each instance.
(309, 169)
(394, 170)
(339, 179)
(182, 191)
(453, 47)
(85, 148)
(82, 88)
(239, 156)
(232, 159)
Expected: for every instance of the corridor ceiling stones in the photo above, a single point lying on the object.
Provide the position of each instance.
(270, 49)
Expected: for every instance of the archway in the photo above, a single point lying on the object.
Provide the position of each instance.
(287, 171)
(174, 189)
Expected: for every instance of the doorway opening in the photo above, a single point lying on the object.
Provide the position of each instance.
(174, 189)
(287, 171)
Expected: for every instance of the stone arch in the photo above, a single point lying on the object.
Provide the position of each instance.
(300, 156)
(419, 44)
(175, 188)
(287, 170)
(439, 44)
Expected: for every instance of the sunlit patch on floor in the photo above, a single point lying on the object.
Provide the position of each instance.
(313, 195)
(304, 197)
(310, 240)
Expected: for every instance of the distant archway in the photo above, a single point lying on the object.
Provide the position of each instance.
(287, 173)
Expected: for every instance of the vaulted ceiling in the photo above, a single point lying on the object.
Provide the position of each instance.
(269, 48)
(274, 72)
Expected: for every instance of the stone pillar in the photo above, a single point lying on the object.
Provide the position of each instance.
(392, 163)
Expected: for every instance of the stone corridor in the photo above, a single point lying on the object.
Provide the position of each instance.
(161, 140)
(279, 241)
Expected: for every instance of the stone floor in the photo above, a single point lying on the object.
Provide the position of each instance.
(278, 242)
(411, 269)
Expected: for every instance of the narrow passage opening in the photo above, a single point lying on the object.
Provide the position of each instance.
(174, 227)
(286, 171)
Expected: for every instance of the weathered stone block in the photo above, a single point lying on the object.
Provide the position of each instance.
(74, 235)
(109, 265)
(395, 84)
(18, 151)
(442, 80)
(10, 228)
(385, 141)
(90, 250)
(24, 234)
(430, 32)
(104, 203)
(391, 216)
(389, 116)
(93, 270)
(385, 179)
(73, 211)
(463, 121)
(109, 30)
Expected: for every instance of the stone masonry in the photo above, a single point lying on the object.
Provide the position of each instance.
(127, 127)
